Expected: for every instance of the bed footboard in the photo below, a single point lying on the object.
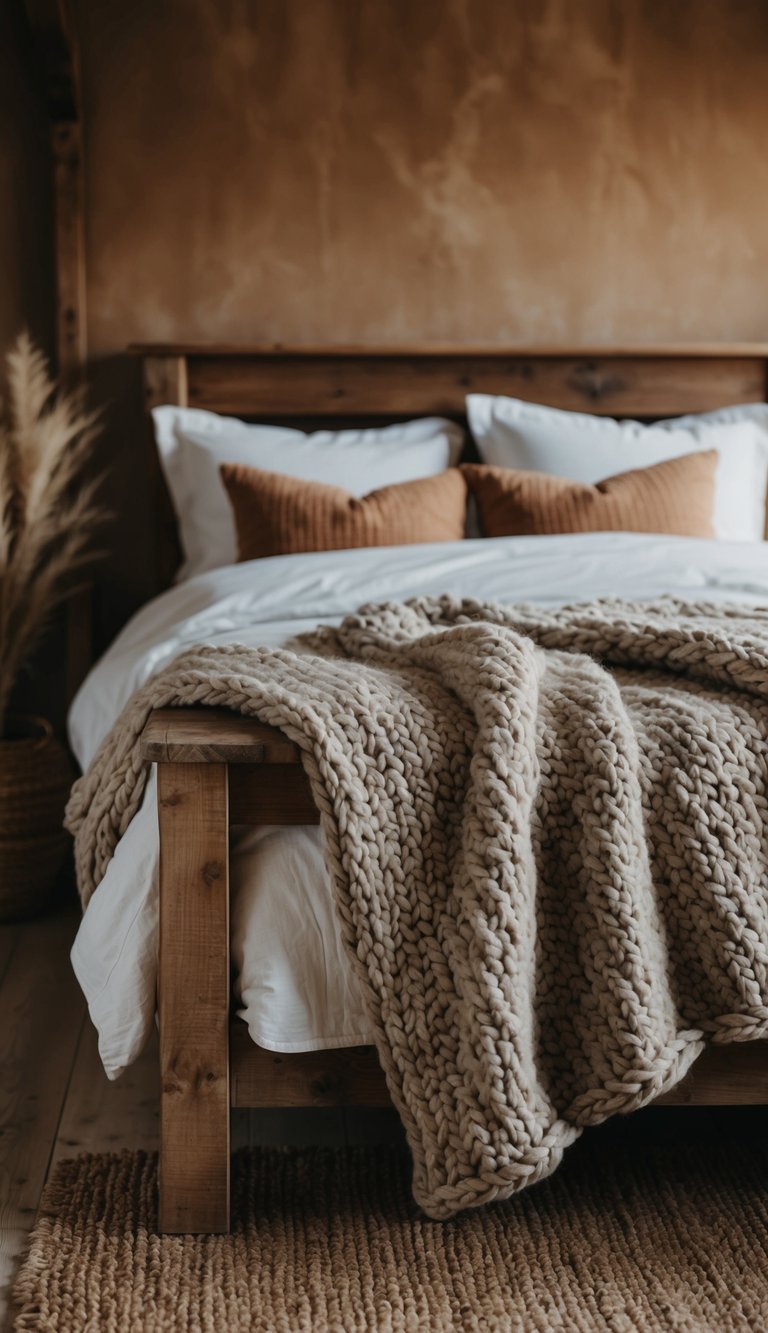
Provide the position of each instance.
(216, 769)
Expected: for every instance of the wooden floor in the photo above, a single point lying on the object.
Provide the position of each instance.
(56, 1101)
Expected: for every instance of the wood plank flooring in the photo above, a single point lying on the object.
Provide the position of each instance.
(56, 1101)
(41, 1017)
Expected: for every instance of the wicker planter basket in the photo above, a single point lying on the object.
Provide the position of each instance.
(35, 777)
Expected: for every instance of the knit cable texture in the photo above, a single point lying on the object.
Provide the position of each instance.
(547, 834)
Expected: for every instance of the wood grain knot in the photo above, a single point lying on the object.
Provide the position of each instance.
(595, 383)
(204, 1080)
(212, 872)
(173, 798)
(324, 1087)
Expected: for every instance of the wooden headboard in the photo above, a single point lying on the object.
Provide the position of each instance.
(336, 386)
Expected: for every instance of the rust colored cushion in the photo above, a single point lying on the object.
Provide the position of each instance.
(675, 497)
(278, 515)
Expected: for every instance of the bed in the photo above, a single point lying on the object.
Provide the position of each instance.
(216, 771)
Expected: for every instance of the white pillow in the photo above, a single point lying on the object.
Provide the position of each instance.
(516, 434)
(192, 443)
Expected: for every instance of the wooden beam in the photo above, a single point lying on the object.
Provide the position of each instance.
(332, 386)
(71, 332)
(193, 997)
(214, 735)
(165, 381)
(52, 28)
(53, 35)
(350, 1076)
(734, 1075)
(53, 38)
(452, 350)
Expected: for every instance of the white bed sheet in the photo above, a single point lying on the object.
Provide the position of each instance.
(295, 984)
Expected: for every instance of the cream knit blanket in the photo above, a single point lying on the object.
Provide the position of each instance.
(552, 876)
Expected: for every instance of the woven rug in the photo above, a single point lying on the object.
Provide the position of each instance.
(666, 1238)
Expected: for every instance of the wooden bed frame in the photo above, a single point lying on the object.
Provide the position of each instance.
(217, 770)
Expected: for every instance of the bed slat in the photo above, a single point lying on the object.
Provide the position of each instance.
(735, 1075)
(351, 1076)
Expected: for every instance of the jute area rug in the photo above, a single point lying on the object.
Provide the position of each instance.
(665, 1238)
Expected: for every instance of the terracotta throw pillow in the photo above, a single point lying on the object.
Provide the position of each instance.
(278, 515)
(675, 497)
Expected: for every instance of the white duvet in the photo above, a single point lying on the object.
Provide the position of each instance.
(295, 986)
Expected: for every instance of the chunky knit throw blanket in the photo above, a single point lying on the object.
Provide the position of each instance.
(551, 875)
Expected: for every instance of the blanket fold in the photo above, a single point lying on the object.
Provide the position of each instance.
(547, 832)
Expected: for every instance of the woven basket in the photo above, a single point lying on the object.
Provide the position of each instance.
(35, 778)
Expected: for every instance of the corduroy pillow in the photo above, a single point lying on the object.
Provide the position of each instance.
(674, 497)
(279, 515)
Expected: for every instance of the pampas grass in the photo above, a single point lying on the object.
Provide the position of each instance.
(48, 512)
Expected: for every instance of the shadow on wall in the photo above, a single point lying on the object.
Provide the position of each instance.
(124, 454)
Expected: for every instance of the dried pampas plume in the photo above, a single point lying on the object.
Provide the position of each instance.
(48, 511)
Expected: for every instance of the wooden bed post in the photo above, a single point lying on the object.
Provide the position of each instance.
(193, 1001)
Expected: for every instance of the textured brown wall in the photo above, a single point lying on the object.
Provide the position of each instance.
(374, 171)
(469, 170)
